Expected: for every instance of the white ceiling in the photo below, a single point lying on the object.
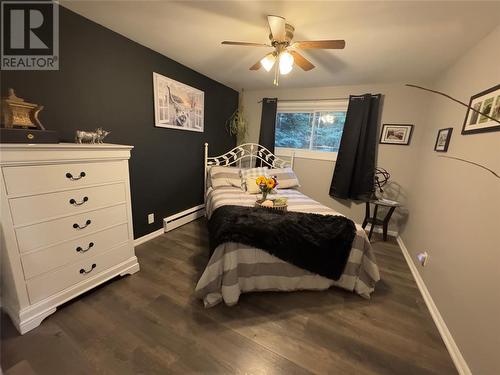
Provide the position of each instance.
(385, 41)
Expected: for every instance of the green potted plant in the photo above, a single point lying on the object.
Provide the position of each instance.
(237, 125)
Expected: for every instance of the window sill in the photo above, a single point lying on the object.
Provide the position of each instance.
(305, 154)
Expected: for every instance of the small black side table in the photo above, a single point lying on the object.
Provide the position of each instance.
(374, 221)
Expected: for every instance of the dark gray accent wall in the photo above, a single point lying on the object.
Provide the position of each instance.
(106, 80)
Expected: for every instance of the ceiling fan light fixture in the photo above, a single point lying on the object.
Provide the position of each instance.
(286, 62)
(268, 61)
(281, 60)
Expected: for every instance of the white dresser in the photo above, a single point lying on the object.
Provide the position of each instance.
(66, 224)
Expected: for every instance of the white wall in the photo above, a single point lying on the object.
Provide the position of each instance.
(401, 105)
(453, 209)
(455, 212)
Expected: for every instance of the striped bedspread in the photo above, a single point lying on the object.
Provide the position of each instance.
(235, 268)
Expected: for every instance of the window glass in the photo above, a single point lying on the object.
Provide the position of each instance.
(310, 130)
(293, 130)
(327, 131)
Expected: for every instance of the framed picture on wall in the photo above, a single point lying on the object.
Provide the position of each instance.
(396, 134)
(177, 105)
(443, 139)
(487, 102)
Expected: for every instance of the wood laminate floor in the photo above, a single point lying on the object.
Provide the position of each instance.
(149, 323)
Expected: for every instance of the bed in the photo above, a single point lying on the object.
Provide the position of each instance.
(234, 268)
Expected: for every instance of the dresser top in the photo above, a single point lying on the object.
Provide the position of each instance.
(63, 146)
(43, 153)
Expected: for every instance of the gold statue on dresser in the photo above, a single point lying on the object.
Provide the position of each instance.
(17, 113)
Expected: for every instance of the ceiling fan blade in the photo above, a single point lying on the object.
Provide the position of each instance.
(249, 44)
(301, 61)
(323, 44)
(256, 66)
(277, 26)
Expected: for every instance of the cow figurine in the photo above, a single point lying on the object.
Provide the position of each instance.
(97, 136)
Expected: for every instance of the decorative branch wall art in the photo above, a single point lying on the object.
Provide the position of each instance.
(479, 111)
(473, 163)
(470, 108)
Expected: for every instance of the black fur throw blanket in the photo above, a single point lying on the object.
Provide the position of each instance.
(318, 243)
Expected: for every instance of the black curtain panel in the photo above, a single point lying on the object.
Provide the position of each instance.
(355, 165)
(268, 123)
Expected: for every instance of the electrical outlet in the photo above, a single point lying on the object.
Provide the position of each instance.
(151, 218)
(423, 258)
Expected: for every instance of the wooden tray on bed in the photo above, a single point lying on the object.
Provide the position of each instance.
(281, 207)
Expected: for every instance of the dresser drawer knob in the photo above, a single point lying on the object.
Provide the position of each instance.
(77, 226)
(72, 178)
(84, 272)
(80, 250)
(75, 203)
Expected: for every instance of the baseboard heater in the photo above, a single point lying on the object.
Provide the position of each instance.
(184, 217)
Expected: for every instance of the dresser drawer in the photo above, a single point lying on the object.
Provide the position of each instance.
(44, 178)
(67, 228)
(35, 208)
(72, 251)
(48, 284)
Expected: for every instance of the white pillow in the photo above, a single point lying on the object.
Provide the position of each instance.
(252, 187)
(224, 176)
(286, 177)
(251, 172)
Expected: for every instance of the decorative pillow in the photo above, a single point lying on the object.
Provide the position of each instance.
(252, 187)
(224, 176)
(286, 177)
(252, 172)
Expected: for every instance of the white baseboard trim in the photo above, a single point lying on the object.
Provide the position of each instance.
(184, 217)
(456, 355)
(378, 229)
(148, 236)
(172, 222)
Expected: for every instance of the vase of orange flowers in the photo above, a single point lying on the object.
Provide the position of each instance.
(266, 185)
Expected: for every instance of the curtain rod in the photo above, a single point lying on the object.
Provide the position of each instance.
(305, 100)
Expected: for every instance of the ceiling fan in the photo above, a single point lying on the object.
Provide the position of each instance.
(281, 40)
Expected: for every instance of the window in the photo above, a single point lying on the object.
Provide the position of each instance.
(310, 129)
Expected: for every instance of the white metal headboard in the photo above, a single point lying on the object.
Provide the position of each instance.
(250, 152)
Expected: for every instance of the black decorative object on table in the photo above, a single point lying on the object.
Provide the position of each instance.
(373, 220)
(380, 179)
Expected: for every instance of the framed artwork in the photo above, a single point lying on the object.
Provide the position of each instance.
(443, 139)
(396, 134)
(487, 102)
(177, 106)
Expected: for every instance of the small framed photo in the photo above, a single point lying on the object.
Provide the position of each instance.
(487, 102)
(396, 134)
(443, 140)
